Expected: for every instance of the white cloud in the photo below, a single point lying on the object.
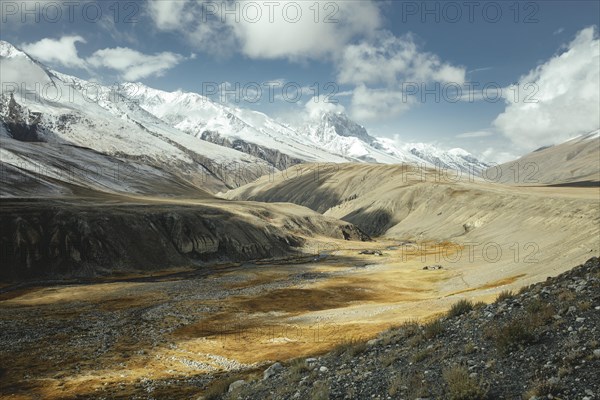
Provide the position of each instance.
(568, 97)
(368, 104)
(319, 105)
(169, 15)
(475, 134)
(262, 29)
(57, 51)
(498, 156)
(379, 66)
(197, 21)
(18, 72)
(133, 65)
(130, 64)
(312, 36)
(389, 59)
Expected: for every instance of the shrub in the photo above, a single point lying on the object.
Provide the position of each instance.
(351, 348)
(320, 391)
(480, 304)
(573, 357)
(406, 330)
(297, 368)
(417, 386)
(543, 315)
(524, 289)
(517, 332)
(460, 307)
(460, 386)
(415, 341)
(395, 385)
(218, 388)
(504, 295)
(389, 337)
(433, 328)
(543, 389)
(469, 348)
(388, 358)
(534, 306)
(564, 371)
(566, 295)
(584, 305)
(421, 355)
(410, 328)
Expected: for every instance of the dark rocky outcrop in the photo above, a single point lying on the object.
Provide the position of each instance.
(50, 239)
(21, 124)
(274, 157)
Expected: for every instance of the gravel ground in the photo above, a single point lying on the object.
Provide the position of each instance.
(541, 343)
(58, 339)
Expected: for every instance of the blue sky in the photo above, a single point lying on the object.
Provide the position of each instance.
(378, 55)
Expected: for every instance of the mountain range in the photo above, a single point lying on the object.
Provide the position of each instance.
(131, 138)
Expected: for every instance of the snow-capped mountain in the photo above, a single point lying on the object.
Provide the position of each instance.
(246, 130)
(337, 133)
(183, 139)
(39, 105)
(457, 159)
(334, 137)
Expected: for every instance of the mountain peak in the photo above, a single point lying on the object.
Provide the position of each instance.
(343, 126)
(7, 50)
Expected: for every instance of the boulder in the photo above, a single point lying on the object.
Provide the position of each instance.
(236, 385)
(272, 370)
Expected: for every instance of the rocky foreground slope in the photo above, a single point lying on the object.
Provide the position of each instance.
(540, 343)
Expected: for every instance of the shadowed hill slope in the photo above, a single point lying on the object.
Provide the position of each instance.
(49, 239)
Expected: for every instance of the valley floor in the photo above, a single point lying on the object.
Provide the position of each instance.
(172, 334)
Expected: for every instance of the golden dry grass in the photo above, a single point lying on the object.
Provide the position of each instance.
(350, 304)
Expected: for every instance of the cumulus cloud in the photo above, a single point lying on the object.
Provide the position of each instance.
(312, 35)
(319, 105)
(566, 100)
(389, 59)
(197, 21)
(19, 73)
(378, 67)
(263, 29)
(57, 51)
(169, 15)
(498, 155)
(346, 33)
(130, 64)
(369, 103)
(133, 65)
